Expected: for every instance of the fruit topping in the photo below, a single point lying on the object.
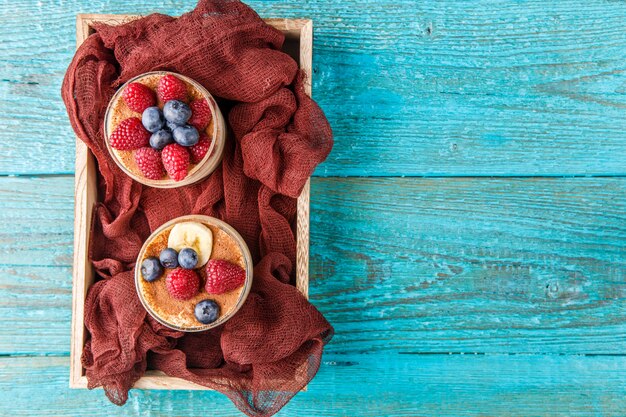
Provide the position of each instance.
(160, 139)
(200, 114)
(169, 258)
(182, 284)
(187, 258)
(177, 112)
(138, 97)
(152, 119)
(199, 150)
(223, 276)
(151, 269)
(175, 161)
(171, 88)
(207, 311)
(171, 126)
(186, 135)
(129, 134)
(192, 235)
(149, 162)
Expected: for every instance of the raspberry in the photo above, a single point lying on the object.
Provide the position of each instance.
(175, 160)
(171, 88)
(200, 114)
(182, 284)
(200, 149)
(149, 163)
(223, 276)
(130, 134)
(138, 97)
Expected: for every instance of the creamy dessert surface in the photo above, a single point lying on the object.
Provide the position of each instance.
(120, 112)
(180, 313)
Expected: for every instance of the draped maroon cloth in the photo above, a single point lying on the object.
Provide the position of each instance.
(272, 347)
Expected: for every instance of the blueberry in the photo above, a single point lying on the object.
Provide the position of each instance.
(151, 269)
(152, 119)
(169, 258)
(207, 311)
(171, 126)
(186, 135)
(159, 139)
(188, 258)
(176, 111)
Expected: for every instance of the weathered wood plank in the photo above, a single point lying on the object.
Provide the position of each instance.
(398, 265)
(411, 88)
(35, 310)
(526, 265)
(37, 218)
(359, 385)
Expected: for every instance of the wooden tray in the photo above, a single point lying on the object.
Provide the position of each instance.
(298, 44)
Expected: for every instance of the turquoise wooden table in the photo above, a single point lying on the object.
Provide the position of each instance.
(468, 230)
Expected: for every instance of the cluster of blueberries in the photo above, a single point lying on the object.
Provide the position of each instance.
(170, 125)
(152, 267)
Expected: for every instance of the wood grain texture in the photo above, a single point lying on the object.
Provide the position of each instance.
(471, 265)
(303, 226)
(360, 385)
(447, 88)
(303, 223)
(35, 310)
(411, 88)
(36, 221)
(397, 265)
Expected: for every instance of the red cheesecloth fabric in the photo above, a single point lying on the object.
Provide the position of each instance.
(272, 347)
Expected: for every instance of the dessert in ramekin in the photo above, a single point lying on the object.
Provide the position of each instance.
(193, 273)
(164, 130)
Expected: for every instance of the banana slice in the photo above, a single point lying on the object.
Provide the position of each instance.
(192, 235)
